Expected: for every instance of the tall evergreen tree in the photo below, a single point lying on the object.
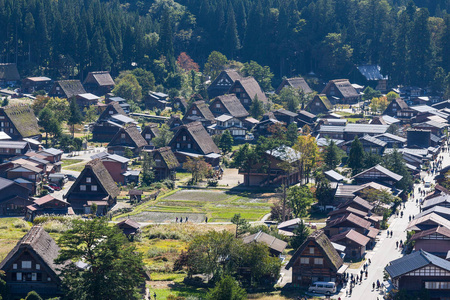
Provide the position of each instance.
(231, 36)
(332, 156)
(75, 116)
(356, 156)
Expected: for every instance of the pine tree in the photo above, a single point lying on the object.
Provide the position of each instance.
(332, 156)
(256, 109)
(75, 116)
(356, 156)
(226, 142)
(231, 36)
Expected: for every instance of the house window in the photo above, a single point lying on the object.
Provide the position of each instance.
(33, 276)
(318, 261)
(304, 260)
(26, 264)
(88, 179)
(218, 105)
(245, 100)
(17, 151)
(110, 112)
(14, 266)
(194, 112)
(311, 250)
(122, 135)
(317, 103)
(94, 188)
(57, 88)
(189, 146)
(184, 137)
(19, 276)
(38, 266)
(11, 130)
(148, 136)
(178, 145)
(82, 187)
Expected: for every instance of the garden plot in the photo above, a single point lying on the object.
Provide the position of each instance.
(200, 195)
(165, 217)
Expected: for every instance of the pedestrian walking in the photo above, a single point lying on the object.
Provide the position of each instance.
(186, 219)
(361, 272)
(176, 220)
(360, 279)
(396, 244)
(373, 285)
(154, 295)
(410, 218)
(367, 273)
(206, 220)
(181, 220)
(391, 233)
(387, 233)
(370, 262)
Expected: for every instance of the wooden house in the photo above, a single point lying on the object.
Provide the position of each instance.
(192, 139)
(34, 84)
(109, 122)
(247, 90)
(28, 172)
(341, 91)
(66, 89)
(179, 104)
(14, 198)
(276, 246)
(391, 140)
(354, 242)
(420, 271)
(110, 98)
(19, 122)
(379, 174)
(127, 137)
(370, 144)
(165, 164)
(150, 132)
(305, 118)
(319, 105)
(435, 241)
(156, 100)
(296, 83)
(316, 260)
(9, 149)
(93, 185)
(174, 122)
(47, 205)
(399, 109)
(226, 122)
(86, 100)
(285, 116)
(30, 266)
(221, 85)
(427, 222)
(339, 225)
(117, 166)
(229, 105)
(130, 228)
(199, 111)
(357, 203)
(99, 83)
(270, 171)
(9, 75)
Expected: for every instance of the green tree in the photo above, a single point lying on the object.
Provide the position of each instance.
(90, 114)
(198, 168)
(227, 288)
(369, 93)
(256, 108)
(49, 123)
(147, 169)
(33, 296)
(246, 158)
(164, 137)
(94, 209)
(128, 153)
(291, 98)
(145, 78)
(242, 225)
(301, 233)
(226, 141)
(395, 163)
(324, 193)
(356, 156)
(291, 134)
(128, 88)
(75, 116)
(231, 36)
(332, 156)
(215, 64)
(114, 266)
(262, 75)
(300, 200)
(391, 96)
(4, 291)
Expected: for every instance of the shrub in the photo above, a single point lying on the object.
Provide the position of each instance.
(21, 224)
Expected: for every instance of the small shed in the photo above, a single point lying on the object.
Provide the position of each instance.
(135, 195)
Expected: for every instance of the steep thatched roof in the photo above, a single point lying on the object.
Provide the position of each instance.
(200, 136)
(344, 86)
(252, 88)
(39, 244)
(115, 107)
(102, 78)
(296, 83)
(9, 72)
(134, 134)
(324, 244)
(204, 110)
(233, 105)
(23, 118)
(169, 158)
(71, 87)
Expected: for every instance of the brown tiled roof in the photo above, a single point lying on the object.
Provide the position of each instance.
(271, 241)
(429, 220)
(233, 105)
(134, 134)
(130, 223)
(38, 242)
(351, 235)
(23, 118)
(9, 72)
(373, 232)
(358, 200)
(324, 244)
(348, 209)
(115, 106)
(354, 219)
(102, 78)
(168, 157)
(252, 88)
(440, 230)
(71, 87)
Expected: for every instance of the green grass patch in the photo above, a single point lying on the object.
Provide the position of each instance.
(175, 277)
(179, 290)
(76, 167)
(68, 162)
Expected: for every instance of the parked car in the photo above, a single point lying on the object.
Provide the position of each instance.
(427, 184)
(323, 287)
(48, 188)
(71, 177)
(54, 186)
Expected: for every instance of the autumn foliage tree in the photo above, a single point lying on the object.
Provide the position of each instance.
(187, 63)
(198, 168)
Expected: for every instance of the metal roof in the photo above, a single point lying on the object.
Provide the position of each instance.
(13, 144)
(415, 261)
(371, 72)
(422, 108)
(334, 175)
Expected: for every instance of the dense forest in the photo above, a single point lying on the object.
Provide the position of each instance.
(410, 40)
